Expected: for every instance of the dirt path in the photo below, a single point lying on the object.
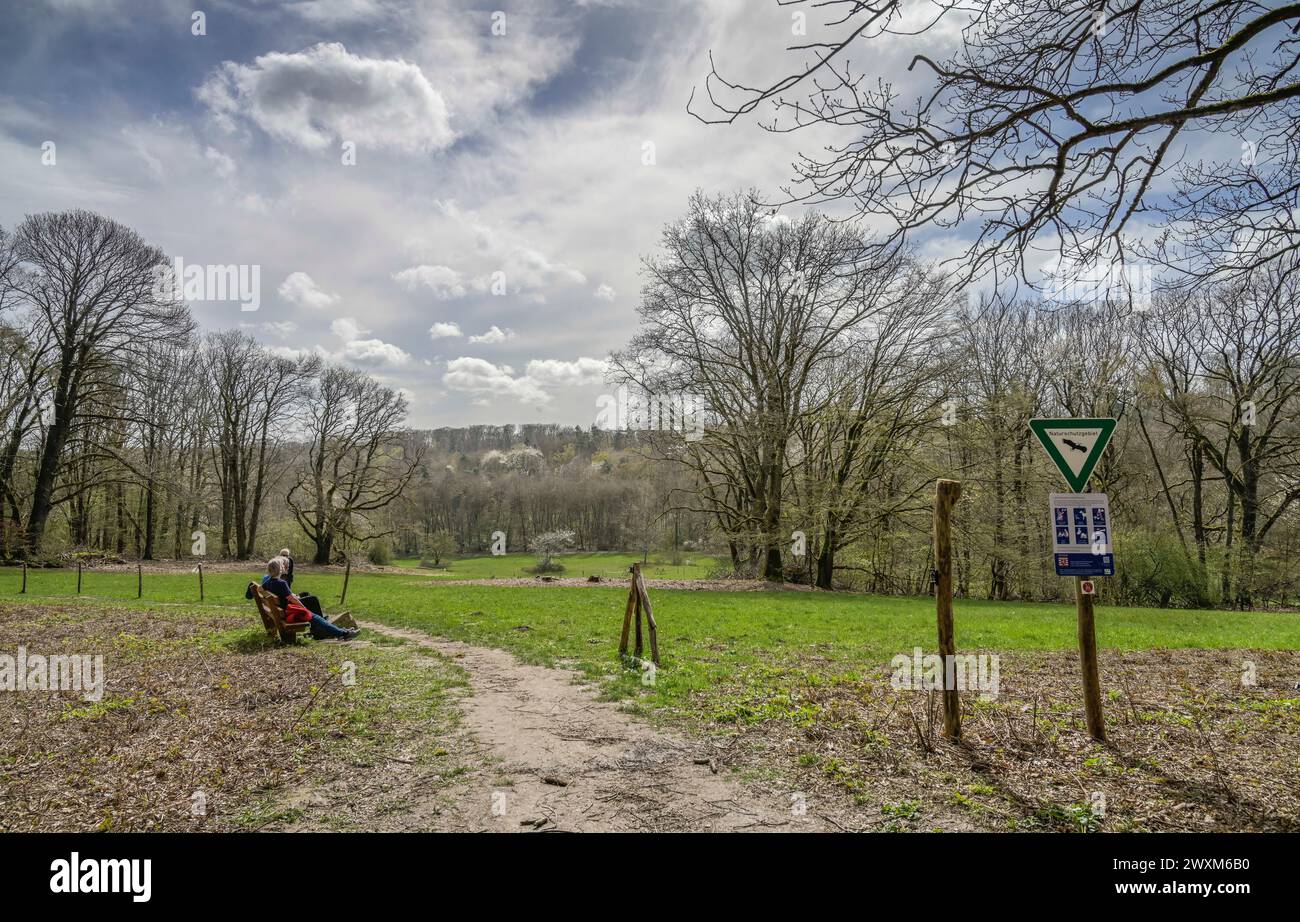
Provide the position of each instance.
(556, 759)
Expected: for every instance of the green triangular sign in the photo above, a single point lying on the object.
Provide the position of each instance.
(1075, 445)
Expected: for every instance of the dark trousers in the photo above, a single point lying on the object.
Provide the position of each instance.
(320, 626)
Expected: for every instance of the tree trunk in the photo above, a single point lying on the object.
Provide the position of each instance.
(826, 563)
(55, 438)
(324, 545)
(149, 502)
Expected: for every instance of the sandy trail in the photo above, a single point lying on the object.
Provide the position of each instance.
(556, 759)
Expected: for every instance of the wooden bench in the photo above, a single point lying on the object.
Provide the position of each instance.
(272, 616)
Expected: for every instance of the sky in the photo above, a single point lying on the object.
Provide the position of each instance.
(455, 199)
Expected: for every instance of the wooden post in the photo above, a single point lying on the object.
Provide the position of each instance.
(139, 581)
(946, 494)
(637, 653)
(24, 589)
(200, 582)
(347, 574)
(78, 577)
(643, 600)
(638, 600)
(632, 603)
(1088, 663)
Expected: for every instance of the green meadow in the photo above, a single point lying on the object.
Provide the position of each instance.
(704, 636)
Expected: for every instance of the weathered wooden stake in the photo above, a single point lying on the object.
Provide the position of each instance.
(139, 581)
(200, 582)
(632, 603)
(24, 589)
(78, 577)
(638, 599)
(637, 654)
(347, 573)
(1088, 663)
(643, 598)
(946, 494)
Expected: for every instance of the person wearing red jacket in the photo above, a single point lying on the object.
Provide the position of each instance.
(294, 611)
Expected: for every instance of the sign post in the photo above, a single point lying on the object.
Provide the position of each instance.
(1088, 663)
(946, 494)
(1081, 537)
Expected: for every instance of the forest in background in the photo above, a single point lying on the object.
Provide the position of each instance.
(826, 386)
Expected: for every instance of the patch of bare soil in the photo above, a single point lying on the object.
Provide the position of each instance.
(557, 759)
(1190, 748)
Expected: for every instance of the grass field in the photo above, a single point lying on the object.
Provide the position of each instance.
(604, 565)
(704, 635)
(796, 685)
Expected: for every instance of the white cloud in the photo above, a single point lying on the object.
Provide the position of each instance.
(536, 206)
(443, 281)
(288, 352)
(558, 373)
(486, 73)
(224, 166)
(323, 94)
(444, 331)
(485, 381)
(370, 352)
(347, 329)
(335, 12)
(504, 262)
(604, 292)
(299, 288)
(493, 336)
(530, 271)
(375, 352)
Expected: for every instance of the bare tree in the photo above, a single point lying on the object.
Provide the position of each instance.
(91, 285)
(741, 311)
(24, 354)
(358, 459)
(257, 394)
(1051, 123)
(881, 397)
(1227, 365)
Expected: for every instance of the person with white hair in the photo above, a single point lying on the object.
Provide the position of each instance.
(295, 611)
(286, 573)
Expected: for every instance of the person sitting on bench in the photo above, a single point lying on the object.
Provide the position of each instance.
(320, 628)
(310, 601)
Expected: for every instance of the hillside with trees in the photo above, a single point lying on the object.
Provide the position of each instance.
(832, 386)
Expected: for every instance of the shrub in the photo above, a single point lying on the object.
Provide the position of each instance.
(1152, 569)
(546, 546)
(379, 553)
(436, 547)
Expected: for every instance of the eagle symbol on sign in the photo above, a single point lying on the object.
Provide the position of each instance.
(1075, 445)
